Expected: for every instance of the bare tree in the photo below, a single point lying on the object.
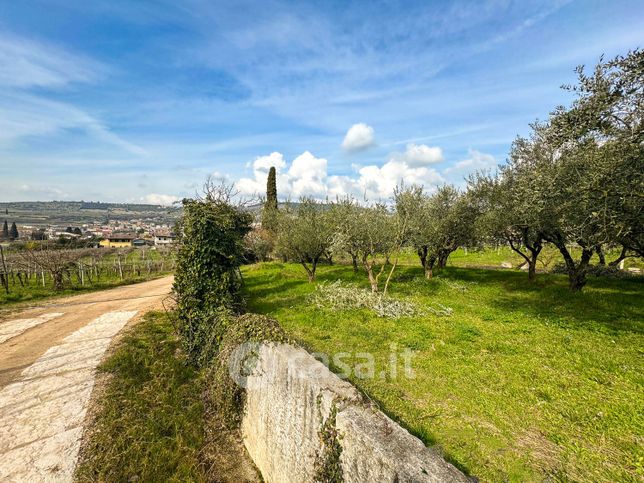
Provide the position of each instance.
(58, 263)
(218, 190)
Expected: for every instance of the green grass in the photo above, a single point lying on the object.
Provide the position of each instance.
(548, 258)
(149, 419)
(524, 382)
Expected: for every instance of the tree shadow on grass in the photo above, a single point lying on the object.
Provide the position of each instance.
(605, 304)
(259, 290)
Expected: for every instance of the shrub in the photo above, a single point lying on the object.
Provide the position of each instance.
(305, 234)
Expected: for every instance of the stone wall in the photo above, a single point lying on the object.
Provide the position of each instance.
(302, 421)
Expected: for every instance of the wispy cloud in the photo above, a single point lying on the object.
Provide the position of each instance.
(29, 63)
(39, 191)
(292, 56)
(27, 113)
(24, 115)
(475, 161)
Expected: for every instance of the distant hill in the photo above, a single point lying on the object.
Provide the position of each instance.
(258, 207)
(98, 205)
(80, 212)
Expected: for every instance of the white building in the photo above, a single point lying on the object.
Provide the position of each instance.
(163, 238)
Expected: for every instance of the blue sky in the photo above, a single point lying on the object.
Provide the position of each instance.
(141, 100)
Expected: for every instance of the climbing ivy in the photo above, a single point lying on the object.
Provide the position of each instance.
(207, 279)
(225, 396)
(328, 468)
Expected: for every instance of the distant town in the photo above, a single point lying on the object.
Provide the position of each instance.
(89, 223)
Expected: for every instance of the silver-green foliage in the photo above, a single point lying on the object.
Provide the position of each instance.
(438, 223)
(305, 234)
(369, 234)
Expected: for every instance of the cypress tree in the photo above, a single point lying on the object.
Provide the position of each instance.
(13, 233)
(271, 189)
(269, 213)
(5, 231)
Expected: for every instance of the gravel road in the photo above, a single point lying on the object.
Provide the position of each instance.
(48, 358)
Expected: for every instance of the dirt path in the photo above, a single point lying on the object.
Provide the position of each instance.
(48, 356)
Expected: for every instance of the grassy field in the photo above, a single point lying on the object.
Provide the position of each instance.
(148, 425)
(548, 258)
(521, 383)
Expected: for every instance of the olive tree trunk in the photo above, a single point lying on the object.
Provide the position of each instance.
(354, 262)
(310, 271)
(577, 271)
(530, 258)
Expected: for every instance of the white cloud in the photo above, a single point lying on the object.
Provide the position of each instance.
(262, 164)
(359, 136)
(159, 199)
(476, 161)
(421, 155)
(248, 186)
(305, 177)
(38, 192)
(379, 182)
(308, 176)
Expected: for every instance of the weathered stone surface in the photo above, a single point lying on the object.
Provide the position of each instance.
(290, 395)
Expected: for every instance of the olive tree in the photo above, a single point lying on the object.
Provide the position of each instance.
(595, 180)
(608, 117)
(438, 223)
(511, 203)
(420, 232)
(370, 233)
(345, 217)
(258, 244)
(305, 234)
